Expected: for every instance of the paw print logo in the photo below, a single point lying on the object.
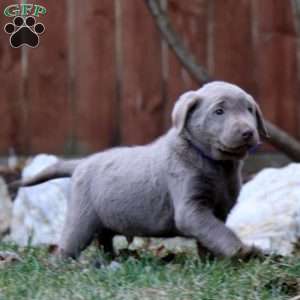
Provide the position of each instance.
(24, 31)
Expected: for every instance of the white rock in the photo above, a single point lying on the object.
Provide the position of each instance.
(39, 211)
(114, 266)
(5, 207)
(268, 210)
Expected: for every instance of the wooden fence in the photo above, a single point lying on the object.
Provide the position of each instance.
(102, 75)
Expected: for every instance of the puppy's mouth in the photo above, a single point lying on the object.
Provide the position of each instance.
(234, 151)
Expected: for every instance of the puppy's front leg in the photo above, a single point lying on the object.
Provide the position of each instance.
(198, 221)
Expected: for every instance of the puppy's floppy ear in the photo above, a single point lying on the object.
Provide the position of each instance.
(182, 106)
(260, 121)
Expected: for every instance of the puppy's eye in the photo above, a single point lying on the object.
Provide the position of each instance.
(219, 111)
(250, 109)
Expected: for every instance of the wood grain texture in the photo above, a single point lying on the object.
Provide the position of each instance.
(233, 45)
(190, 21)
(102, 76)
(47, 84)
(276, 70)
(142, 102)
(11, 106)
(95, 75)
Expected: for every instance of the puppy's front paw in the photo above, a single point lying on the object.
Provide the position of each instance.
(247, 252)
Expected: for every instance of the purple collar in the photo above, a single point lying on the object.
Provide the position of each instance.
(201, 152)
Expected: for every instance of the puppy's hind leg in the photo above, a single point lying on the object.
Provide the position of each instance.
(79, 229)
(105, 241)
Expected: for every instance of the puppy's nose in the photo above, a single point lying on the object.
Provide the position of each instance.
(247, 134)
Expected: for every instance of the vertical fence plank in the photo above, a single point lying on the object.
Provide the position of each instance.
(47, 84)
(142, 101)
(189, 18)
(277, 62)
(95, 75)
(10, 78)
(233, 48)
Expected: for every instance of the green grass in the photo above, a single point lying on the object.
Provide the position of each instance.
(39, 277)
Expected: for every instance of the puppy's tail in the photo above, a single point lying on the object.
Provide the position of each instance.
(58, 170)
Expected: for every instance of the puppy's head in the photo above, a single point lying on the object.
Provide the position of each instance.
(221, 119)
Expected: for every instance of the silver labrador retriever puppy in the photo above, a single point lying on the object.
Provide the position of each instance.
(183, 184)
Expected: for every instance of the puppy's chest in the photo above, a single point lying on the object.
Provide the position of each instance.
(226, 189)
(223, 189)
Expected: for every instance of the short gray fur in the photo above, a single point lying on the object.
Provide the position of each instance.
(183, 184)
